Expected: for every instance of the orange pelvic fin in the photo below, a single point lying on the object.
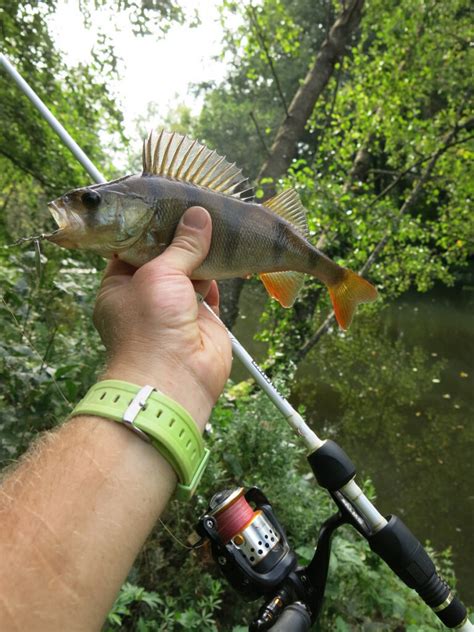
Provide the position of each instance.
(347, 294)
(284, 286)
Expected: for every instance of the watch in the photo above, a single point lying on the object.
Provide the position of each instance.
(158, 420)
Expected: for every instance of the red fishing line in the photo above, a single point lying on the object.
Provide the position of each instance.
(232, 519)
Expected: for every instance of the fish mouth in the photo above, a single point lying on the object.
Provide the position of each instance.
(59, 215)
(66, 225)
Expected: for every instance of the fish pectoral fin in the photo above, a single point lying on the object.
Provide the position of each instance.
(347, 294)
(284, 286)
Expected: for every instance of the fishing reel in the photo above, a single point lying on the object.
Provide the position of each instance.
(252, 551)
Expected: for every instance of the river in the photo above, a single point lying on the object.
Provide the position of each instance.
(411, 429)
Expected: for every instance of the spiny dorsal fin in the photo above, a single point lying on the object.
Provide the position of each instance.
(176, 156)
(284, 286)
(287, 204)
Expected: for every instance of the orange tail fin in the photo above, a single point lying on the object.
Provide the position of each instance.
(347, 294)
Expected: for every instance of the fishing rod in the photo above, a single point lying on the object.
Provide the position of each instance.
(272, 570)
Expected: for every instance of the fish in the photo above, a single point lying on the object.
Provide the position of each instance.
(134, 218)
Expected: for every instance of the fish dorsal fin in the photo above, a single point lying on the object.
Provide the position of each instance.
(287, 204)
(176, 156)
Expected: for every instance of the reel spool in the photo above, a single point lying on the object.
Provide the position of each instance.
(247, 541)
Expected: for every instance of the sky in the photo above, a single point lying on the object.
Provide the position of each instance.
(152, 70)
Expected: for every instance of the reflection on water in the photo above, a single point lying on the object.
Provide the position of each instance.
(398, 394)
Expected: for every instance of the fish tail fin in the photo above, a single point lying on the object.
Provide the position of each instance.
(347, 293)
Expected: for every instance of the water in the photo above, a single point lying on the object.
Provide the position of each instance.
(405, 416)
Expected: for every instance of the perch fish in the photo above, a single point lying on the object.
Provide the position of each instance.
(134, 219)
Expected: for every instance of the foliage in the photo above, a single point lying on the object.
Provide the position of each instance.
(48, 356)
(246, 109)
(146, 18)
(79, 96)
(402, 92)
(163, 613)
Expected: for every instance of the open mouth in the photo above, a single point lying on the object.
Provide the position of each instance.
(67, 223)
(59, 215)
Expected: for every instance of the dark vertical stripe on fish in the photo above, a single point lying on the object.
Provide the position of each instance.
(279, 241)
(232, 237)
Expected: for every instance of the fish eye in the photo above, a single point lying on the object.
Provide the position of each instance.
(91, 200)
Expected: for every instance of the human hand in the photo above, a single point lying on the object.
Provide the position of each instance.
(154, 329)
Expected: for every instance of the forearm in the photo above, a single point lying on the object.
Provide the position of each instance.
(74, 516)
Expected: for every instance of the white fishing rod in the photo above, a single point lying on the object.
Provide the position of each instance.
(333, 469)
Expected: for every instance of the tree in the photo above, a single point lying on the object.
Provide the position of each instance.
(292, 130)
(406, 92)
(268, 56)
(399, 75)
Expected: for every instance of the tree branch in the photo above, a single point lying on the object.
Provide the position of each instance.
(254, 20)
(326, 235)
(259, 133)
(22, 167)
(448, 142)
(328, 120)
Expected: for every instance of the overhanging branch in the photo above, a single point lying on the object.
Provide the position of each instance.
(448, 141)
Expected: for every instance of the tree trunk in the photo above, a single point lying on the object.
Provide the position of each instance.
(229, 294)
(301, 107)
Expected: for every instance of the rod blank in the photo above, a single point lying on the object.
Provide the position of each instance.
(52, 120)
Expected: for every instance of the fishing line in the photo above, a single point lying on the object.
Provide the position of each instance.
(23, 240)
(177, 540)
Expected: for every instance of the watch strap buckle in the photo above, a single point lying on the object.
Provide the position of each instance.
(135, 407)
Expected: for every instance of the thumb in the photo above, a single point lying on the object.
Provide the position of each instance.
(191, 242)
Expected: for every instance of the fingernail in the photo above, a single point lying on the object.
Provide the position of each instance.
(195, 217)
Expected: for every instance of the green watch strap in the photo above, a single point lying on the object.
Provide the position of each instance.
(159, 420)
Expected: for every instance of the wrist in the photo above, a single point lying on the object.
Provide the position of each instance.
(178, 384)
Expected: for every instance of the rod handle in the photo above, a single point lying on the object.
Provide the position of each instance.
(294, 618)
(404, 554)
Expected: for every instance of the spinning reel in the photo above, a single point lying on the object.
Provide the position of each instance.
(251, 549)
